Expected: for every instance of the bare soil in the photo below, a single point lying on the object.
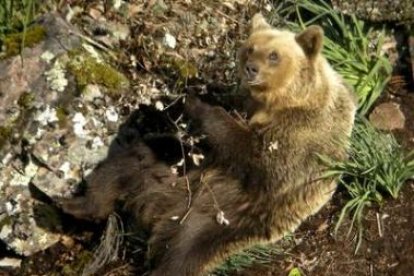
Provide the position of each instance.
(387, 249)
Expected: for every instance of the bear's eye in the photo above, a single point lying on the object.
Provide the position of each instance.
(273, 57)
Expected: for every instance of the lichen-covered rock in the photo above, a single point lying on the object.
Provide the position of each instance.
(51, 132)
(401, 11)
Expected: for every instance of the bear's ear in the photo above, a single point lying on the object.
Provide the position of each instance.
(259, 23)
(311, 40)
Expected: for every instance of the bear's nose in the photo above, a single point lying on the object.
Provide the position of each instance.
(251, 70)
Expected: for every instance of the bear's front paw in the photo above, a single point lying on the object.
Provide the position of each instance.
(194, 107)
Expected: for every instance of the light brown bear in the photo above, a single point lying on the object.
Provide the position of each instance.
(267, 176)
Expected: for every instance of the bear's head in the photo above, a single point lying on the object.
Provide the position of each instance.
(275, 64)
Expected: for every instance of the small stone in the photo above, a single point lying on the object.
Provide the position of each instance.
(79, 122)
(47, 116)
(169, 41)
(10, 262)
(91, 92)
(97, 143)
(116, 4)
(5, 231)
(47, 56)
(65, 169)
(6, 159)
(387, 116)
(159, 105)
(24, 179)
(67, 241)
(119, 31)
(111, 114)
(92, 52)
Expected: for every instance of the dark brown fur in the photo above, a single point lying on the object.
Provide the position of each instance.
(266, 178)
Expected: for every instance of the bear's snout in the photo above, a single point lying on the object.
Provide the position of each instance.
(251, 70)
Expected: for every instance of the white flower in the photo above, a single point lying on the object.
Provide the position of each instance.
(221, 219)
(273, 146)
(197, 158)
(181, 162)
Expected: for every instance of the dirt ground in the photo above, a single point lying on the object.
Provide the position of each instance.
(319, 253)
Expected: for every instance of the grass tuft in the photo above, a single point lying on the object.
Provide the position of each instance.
(258, 254)
(377, 167)
(15, 18)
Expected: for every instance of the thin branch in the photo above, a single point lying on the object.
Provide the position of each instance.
(184, 165)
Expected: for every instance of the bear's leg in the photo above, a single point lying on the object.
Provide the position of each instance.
(234, 144)
(192, 248)
(113, 180)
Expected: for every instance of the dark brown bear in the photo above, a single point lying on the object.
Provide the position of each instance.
(267, 176)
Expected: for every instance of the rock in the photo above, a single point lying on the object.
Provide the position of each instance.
(24, 85)
(91, 91)
(68, 242)
(169, 41)
(401, 11)
(51, 107)
(387, 116)
(10, 262)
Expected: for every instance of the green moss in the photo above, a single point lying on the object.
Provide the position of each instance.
(187, 69)
(14, 126)
(5, 134)
(87, 70)
(26, 100)
(5, 221)
(62, 116)
(14, 42)
(76, 267)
